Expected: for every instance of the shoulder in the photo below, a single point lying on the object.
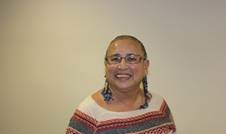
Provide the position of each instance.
(158, 99)
(89, 104)
(157, 102)
(86, 103)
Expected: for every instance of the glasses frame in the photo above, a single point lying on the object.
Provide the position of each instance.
(125, 58)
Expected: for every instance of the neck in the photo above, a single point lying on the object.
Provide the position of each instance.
(127, 97)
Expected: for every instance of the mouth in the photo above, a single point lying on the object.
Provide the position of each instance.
(123, 76)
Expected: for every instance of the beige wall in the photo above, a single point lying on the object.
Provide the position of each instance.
(51, 57)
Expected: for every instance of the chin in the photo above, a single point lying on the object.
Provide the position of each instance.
(124, 87)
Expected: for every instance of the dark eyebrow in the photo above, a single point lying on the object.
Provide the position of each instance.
(128, 54)
(116, 54)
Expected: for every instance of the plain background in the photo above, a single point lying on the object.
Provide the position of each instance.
(51, 57)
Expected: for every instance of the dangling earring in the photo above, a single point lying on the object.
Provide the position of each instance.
(147, 95)
(145, 84)
(106, 92)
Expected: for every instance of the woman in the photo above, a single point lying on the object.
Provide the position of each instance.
(124, 105)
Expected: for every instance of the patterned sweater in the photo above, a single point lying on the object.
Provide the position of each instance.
(90, 118)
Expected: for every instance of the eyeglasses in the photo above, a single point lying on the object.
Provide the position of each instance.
(130, 59)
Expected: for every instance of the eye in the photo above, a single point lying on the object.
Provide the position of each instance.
(115, 59)
(132, 59)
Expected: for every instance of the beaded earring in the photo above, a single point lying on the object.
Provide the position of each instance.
(106, 92)
(146, 93)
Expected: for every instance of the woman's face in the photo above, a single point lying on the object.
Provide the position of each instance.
(125, 76)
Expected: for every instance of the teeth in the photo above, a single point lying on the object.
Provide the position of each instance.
(123, 75)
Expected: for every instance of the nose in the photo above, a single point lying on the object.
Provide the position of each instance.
(123, 64)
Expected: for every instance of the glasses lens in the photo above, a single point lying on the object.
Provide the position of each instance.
(132, 59)
(114, 59)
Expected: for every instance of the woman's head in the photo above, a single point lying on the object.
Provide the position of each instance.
(126, 63)
(129, 37)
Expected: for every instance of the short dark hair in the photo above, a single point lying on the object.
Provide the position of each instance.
(121, 37)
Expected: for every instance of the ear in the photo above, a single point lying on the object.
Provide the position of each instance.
(105, 69)
(146, 65)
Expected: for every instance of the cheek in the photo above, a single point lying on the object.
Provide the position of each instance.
(109, 70)
(139, 71)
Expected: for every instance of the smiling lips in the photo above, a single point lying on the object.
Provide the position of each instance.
(123, 76)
